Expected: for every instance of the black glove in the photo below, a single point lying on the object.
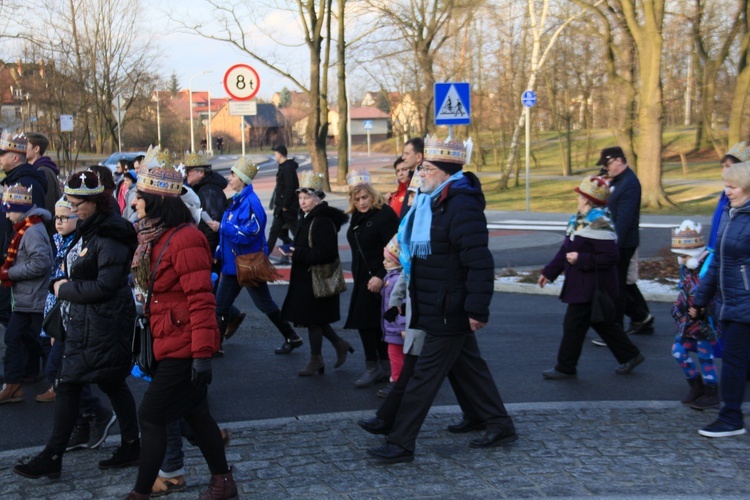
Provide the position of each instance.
(391, 314)
(201, 372)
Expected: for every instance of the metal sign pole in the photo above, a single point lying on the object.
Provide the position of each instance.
(119, 124)
(528, 153)
(368, 142)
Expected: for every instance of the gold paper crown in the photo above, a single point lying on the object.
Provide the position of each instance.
(688, 238)
(156, 157)
(150, 159)
(355, 178)
(309, 180)
(741, 151)
(86, 183)
(13, 143)
(245, 169)
(17, 198)
(163, 181)
(446, 151)
(595, 189)
(192, 160)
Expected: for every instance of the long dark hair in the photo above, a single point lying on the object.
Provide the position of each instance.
(171, 210)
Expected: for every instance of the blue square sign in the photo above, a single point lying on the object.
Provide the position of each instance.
(452, 103)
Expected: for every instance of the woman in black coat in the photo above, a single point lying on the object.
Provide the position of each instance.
(372, 226)
(320, 225)
(98, 314)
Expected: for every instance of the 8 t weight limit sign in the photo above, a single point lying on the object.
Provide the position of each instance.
(241, 82)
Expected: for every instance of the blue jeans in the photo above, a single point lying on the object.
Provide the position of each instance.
(734, 367)
(174, 458)
(229, 289)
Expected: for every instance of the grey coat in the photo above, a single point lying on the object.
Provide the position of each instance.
(31, 270)
(414, 339)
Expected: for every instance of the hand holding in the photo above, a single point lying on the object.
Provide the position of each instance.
(542, 281)
(375, 284)
(572, 257)
(202, 374)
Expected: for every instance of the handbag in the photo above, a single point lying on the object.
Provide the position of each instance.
(143, 341)
(327, 279)
(52, 326)
(603, 308)
(254, 269)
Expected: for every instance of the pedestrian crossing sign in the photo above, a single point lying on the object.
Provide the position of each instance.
(452, 103)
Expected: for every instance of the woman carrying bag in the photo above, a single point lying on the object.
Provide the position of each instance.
(588, 257)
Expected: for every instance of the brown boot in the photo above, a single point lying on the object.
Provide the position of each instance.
(696, 390)
(315, 364)
(11, 393)
(46, 397)
(222, 487)
(342, 349)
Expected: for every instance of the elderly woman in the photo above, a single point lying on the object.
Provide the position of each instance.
(173, 260)
(98, 315)
(729, 274)
(588, 257)
(242, 231)
(372, 226)
(315, 242)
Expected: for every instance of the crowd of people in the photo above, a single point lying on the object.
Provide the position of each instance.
(82, 257)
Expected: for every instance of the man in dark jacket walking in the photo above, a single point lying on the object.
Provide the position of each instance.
(625, 206)
(37, 146)
(450, 270)
(209, 186)
(284, 202)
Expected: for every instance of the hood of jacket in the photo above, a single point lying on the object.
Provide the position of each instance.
(468, 185)
(25, 170)
(289, 163)
(213, 178)
(324, 210)
(109, 225)
(41, 212)
(46, 161)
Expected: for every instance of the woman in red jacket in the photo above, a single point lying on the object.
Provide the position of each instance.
(184, 327)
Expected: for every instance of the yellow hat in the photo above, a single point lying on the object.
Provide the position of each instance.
(194, 160)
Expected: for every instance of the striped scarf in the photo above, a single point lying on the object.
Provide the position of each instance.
(19, 228)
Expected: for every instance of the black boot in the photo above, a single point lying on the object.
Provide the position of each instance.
(291, 339)
(696, 390)
(709, 398)
(45, 464)
(125, 455)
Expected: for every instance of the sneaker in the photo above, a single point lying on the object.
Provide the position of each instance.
(100, 426)
(599, 342)
(125, 455)
(645, 327)
(628, 366)
(44, 464)
(46, 397)
(719, 429)
(79, 439)
(383, 393)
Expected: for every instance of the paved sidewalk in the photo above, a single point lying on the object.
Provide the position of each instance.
(605, 449)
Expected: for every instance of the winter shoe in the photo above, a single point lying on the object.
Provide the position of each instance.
(125, 455)
(709, 398)
(315, 364)
(696, 390)
(232, 326)
(79, 438)
(46, 397)
(11, 393)
(373, 373)
(342, 349)
(222, 487)
(645, 327)
(289, 345)
(100, 425)
(44, 464)
(718, 428)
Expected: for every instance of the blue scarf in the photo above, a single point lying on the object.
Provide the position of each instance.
(414, 230)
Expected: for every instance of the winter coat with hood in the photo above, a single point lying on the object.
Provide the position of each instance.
(30, 271)
(210, 191)
(102, 309)
(729, 271)
(321, 226)
(391, 329)
(28, 176)
(54, 192)
(368, 234)
(242, 230)
(285, 193)
(456, 281)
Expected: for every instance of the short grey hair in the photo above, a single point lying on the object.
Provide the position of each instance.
(739, 175)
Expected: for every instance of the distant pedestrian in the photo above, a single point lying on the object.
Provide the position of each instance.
(284, 202)
(588, 257)
(693, 335)
(35, 155)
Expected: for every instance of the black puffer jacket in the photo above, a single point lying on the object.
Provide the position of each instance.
(102, 311)
(210, 191)
(285, 193)
(456, 281)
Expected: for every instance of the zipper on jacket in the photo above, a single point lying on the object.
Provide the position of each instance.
(721, 267)
(744, 276)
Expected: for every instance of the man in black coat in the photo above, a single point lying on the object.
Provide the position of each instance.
(209, 186)
(284, 201)
(451, 282)
(625, 206)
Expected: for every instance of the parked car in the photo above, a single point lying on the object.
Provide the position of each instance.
(111, 162)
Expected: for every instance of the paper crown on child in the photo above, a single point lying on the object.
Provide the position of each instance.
(13, 143)
(245, 169)
(688, 239)
(392, 250)
(84, 184)
(63, 203)
(358, 178)
(741, 151)
(195, 160)
(311, 183)
(594, 189)
(17, 198)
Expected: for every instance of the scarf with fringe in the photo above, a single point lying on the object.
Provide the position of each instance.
(596, 224)
(149, 231)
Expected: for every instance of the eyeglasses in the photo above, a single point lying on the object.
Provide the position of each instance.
(74, 206)
(63, 220)
(426, 170)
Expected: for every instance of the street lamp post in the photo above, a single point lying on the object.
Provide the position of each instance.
(158, 119)
(190, 94)
(209, 137)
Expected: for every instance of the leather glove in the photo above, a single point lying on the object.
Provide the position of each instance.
(391, 314)
(202, 375)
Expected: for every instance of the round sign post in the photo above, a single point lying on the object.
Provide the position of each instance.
(241, 82)
(528, 98)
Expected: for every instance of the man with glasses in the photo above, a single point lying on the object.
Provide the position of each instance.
(625, 206)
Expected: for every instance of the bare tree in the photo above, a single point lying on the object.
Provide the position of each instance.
(343, 98)
(742, 87)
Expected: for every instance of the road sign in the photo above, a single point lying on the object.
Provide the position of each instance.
(118, 111)
(66, 123)
(243, 108)
(367, 124)
(528, 98)
(452, 103)
(241, 82)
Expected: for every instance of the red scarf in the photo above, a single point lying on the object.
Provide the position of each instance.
(19, 228)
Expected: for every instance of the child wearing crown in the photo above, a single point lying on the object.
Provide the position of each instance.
(26, 269)
(693, 335)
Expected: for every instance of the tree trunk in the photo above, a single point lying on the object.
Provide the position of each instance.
(742, 88)
(343, 128)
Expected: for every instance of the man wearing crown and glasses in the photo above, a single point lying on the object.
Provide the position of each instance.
(450, 271)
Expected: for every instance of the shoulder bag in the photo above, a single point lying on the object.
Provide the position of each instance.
(327, 279)
(143, 341)
(255, 268)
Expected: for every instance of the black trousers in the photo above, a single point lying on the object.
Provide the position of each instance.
(575, 325)
(440, 356)
(631, 301)
(280, 227)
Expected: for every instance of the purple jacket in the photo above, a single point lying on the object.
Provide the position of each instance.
(580, 278)
(391, 331)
